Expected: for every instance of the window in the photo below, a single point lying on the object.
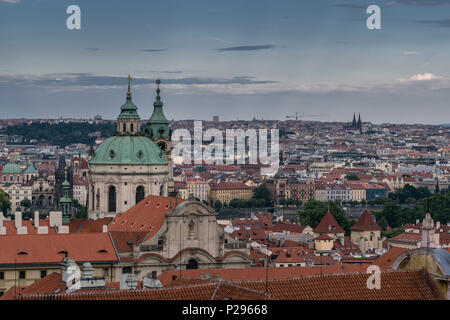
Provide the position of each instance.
(127, 270)
(140, 194)
(105, 272)
(43, 273)
(154, 273)
(112, 199)
(192, 264)
(2, 275)
(22, 274)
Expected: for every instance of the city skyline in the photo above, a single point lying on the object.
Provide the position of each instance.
(232, 59)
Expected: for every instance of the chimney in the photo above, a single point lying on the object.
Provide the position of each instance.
(87, 278)
(427, 233)
(438, 225)
(341, 240)
(18, 223)
(62, 229)
(71, 276)
(36, 219)
(417, 222)
(87, 271)
(128, 281)
(151, 283)
(17, 219)
(55, 218)
(105, 228)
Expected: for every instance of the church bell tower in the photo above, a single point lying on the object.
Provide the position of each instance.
(158, 130)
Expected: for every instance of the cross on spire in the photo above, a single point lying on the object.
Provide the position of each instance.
(157, 86)
(129, 83)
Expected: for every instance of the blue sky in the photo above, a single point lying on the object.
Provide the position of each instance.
(234, 58)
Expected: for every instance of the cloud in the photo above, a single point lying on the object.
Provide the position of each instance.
(86, 81)
(162, 71)
(411, 53)
(422, 77)
(153, 50)
(419, 84)
(248, 48)
(445, 23)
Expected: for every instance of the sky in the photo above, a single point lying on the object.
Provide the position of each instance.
(237, 59)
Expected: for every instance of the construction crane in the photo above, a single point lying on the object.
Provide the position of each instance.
(292, 116)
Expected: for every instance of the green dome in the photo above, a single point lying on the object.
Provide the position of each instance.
(11, 168)
(128, 150)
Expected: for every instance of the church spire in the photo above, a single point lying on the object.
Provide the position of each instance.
(158, 125)
(128, 122)
(65, 201)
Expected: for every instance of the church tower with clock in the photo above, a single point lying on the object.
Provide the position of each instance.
(132, 164)
(158, 131)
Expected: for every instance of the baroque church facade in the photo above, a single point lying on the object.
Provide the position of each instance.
(132, 164)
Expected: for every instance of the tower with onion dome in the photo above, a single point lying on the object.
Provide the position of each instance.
(126, 167)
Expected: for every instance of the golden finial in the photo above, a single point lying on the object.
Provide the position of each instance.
(129, 82)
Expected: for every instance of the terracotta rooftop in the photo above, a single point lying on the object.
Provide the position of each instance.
(387, 259)
(365, 223)
(148, 215)
(328, 224)
(52, 248)
(216, 290)
(395, 285)
(257, 273)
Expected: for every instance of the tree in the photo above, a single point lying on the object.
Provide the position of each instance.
(352, 177)
(261, 192)
(218, 205)
(80, 210)
(26, 208)
(5, 205)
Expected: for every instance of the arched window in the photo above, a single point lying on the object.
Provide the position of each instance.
(131, 127)
(140, 194)
(41, 200)
(112, 199)
(97, 200)
(124, 127)
(161, 190)
(192, 264)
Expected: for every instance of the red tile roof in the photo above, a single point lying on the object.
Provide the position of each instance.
(395, 285)
(258, 273)
(365, 223)
(328, 224)
(386, 260)
(148, 215)
(213, 290)
(51, 248)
